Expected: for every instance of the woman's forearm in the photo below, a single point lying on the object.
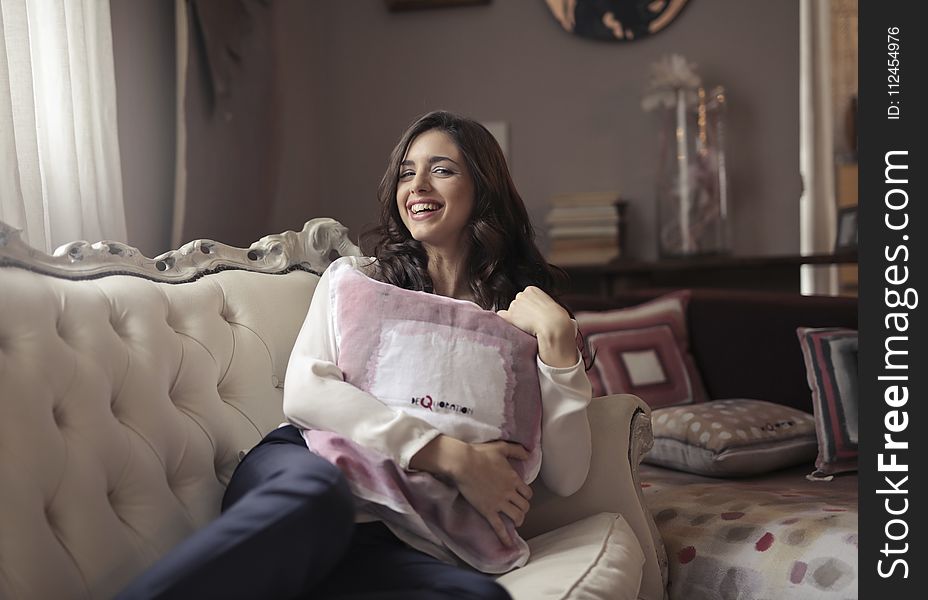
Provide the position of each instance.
(440, 457)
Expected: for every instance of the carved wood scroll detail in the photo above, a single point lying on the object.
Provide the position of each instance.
(309, 249)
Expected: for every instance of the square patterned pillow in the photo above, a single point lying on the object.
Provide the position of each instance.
(731, 438)
(644, 350)
(462, 369)
(830, 356)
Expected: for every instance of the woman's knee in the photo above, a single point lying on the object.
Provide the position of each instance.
(325, 484)
(315, 483)
(312, 474)
(293, 474)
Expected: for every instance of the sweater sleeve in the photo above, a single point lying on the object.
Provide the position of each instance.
(566, 445)
(316, 395)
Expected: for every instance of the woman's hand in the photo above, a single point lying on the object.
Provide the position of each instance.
(536, 313)
(492, 486)
(484, 477)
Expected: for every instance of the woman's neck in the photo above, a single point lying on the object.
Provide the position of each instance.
(449, 275)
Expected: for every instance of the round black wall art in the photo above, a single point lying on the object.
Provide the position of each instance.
(615, 20)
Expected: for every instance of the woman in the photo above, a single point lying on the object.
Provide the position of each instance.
(452, 224)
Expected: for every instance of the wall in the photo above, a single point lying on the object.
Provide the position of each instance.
(354, 75)
(143, 49)
(231, 120)
(351, 76)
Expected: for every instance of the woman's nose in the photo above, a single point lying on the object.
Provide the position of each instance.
(420, 182)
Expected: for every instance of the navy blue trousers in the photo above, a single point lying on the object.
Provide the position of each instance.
(287, 531)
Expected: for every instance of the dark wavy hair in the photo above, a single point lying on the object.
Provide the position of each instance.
(503, 258)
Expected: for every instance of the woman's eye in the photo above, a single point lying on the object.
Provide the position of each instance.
(406, 174)
(442, 171)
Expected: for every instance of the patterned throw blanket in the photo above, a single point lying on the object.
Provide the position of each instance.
(464, 370)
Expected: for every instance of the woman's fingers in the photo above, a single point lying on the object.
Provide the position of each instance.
(520, 502)
(489, 482)
(500, 528)
(535, 312)
(516, 451)
(513, 512)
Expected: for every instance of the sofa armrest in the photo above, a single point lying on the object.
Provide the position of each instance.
(621, 429)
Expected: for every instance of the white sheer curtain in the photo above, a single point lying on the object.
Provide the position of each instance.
(60, 176)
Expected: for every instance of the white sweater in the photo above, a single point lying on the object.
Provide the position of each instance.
(316, 396)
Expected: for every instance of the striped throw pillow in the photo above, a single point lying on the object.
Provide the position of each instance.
(830, 356)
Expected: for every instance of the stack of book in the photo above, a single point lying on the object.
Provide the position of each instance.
(585, 228)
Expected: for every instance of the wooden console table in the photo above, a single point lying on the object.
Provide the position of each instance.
(772, 273)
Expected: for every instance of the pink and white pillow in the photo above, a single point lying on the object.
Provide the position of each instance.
(644, 350)
(464, 370)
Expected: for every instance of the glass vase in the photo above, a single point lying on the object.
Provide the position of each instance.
(692, 191)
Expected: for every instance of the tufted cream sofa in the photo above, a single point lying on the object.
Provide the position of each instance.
(129, 387)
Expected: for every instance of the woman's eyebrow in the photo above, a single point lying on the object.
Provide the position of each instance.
(432, 161)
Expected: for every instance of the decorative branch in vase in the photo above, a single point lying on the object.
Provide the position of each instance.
(691, 187)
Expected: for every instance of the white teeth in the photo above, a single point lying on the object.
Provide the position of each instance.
(422, 207)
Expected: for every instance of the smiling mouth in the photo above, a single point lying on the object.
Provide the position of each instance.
(423, 207)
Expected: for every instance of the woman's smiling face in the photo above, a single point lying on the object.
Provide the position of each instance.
(435, 191)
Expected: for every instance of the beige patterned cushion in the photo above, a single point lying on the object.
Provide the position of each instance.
(725, 438)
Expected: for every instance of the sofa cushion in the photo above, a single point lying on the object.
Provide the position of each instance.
(830, 356)
(644, 350)
(727, 438)
(596, 557)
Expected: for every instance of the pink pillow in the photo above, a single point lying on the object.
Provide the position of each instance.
(467, 372)
(644, 350)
